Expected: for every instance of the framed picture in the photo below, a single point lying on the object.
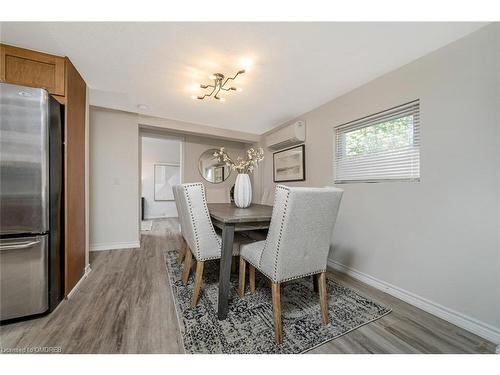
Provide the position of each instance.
(166, 175)
(289, 165)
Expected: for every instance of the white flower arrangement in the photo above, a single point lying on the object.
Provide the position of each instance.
(254, 157)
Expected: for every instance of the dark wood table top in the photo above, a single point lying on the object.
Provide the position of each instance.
(228, 213)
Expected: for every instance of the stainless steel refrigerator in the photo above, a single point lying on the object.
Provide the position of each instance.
(31, 175)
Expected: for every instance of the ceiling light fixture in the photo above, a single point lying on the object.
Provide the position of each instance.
(220, 83)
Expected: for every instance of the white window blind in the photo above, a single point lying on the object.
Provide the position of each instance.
(381, 147)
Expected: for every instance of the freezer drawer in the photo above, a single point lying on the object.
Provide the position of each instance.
(23, 276)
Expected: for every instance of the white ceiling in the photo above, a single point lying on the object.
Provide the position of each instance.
(296, 66)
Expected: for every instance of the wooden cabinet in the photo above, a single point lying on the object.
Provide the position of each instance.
(58, 75)
(74, 171)
(31, 68)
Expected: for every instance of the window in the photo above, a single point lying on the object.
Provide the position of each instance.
(381, 147)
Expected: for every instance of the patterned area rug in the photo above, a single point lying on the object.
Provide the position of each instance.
(249, 325)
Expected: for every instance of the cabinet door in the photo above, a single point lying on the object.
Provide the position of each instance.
(31, 68)
(74, 177)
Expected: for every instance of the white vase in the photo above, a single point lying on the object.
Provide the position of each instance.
(242, 191)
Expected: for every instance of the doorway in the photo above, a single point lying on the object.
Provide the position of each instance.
(161, 169)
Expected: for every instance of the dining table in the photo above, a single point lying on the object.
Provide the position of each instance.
(231, 219)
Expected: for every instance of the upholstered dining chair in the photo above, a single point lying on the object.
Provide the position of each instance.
(296, 246)
(181, 215)
(203, 242)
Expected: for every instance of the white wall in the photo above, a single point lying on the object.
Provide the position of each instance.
(114, 179)
(437, 240)
(157, 150)
(115, 169)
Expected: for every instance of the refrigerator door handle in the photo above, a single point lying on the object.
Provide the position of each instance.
(22, 245)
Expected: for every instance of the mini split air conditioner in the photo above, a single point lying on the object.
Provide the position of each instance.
(288, 136)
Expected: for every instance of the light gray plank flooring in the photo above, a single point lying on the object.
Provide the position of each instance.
(125, 305)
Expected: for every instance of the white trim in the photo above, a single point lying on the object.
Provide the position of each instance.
(468, 323)
(77, 285)
(160, 217)
(115, 245)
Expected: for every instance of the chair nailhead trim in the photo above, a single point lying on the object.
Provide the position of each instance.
(287, 279)
(193, 221)
(281, 229)
(271, 226)
(304, 275)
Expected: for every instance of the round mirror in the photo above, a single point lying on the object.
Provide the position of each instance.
(211, 169)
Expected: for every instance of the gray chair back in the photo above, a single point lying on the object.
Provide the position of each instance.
(198, 230)
(300, 232)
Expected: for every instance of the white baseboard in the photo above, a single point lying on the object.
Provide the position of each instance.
(115, 245)
(463, 321)
(85, 274)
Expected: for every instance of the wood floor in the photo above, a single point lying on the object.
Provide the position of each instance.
(125, 306)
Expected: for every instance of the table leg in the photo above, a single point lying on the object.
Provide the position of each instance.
(225, 269)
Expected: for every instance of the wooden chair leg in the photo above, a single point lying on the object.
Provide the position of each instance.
(182, 251)
(323, 297)
(241, 285)
(187, 266)
(278, 335)
(197, 283)
(251, 273)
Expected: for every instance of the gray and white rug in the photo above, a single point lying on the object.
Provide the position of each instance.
(249, 325)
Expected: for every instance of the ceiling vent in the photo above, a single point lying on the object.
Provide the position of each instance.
(288, 136)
